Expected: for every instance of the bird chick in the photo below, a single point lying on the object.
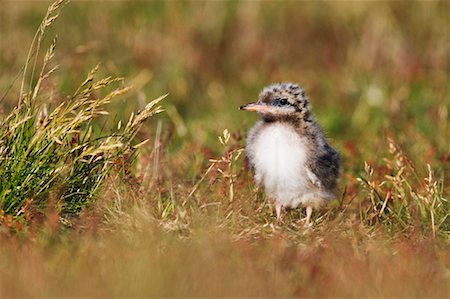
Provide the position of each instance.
(288, 152)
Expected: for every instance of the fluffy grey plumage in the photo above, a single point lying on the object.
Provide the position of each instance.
(288, 151)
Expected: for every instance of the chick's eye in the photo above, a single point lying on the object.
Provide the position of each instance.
(283, 101)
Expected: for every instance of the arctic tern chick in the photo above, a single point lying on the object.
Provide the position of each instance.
(288, 152)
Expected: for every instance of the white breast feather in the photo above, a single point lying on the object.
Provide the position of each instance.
(279, 155)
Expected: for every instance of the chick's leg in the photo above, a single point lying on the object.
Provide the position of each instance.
(278, 210)
(308, 214)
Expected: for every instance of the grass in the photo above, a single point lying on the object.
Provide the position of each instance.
(58, 151)
(90, 210)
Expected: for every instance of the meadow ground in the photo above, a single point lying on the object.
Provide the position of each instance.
(180, 215)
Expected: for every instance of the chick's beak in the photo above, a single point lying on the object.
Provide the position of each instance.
(255, 107)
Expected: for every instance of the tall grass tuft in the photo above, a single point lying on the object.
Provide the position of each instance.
(58, 151)
(402, 200)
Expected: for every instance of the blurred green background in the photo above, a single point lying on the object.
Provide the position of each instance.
(371, 69)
